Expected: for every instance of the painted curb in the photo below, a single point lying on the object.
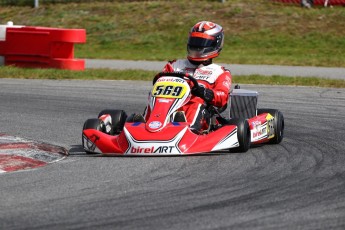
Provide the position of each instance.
(18, 153)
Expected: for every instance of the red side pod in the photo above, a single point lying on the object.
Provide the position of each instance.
(42, 47)
(205, 143)
(258, 128)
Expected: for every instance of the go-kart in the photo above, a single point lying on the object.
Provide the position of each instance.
(166, 131)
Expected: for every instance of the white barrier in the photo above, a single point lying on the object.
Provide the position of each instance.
(3, 37)
(3, 30)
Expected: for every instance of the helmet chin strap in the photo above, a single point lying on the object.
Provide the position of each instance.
(204, 63)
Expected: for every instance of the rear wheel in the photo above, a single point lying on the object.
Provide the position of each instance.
(278, 124)
(243, 134)
(118, 119)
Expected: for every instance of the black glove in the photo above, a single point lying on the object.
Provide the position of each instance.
(204, 93)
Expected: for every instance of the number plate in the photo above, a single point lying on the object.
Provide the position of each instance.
(169, 89)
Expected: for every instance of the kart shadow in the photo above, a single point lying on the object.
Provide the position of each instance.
(78, 151)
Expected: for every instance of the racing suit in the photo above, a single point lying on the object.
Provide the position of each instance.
(212, 77)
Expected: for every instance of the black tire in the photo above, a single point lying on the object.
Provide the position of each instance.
(118, 118)
(135, 117)
(243, 134)
(278, 124)
(91, 124)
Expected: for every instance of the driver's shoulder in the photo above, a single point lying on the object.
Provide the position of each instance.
(219, 68)
(181, 64)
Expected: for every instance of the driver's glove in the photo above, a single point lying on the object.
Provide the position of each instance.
(204, 93)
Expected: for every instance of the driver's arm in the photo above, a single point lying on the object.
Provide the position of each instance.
(221, 89)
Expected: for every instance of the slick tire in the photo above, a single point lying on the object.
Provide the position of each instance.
(278, 124)
(118, 119)
(91, 124)
(243, 134)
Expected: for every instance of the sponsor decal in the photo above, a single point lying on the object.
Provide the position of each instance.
(203, 72)
(155, 124)
(259, 129)
(256, 124)
(163, 100)
(141, 150)
(205, 78)
(259, 133)
(160, 149)
(168, 79)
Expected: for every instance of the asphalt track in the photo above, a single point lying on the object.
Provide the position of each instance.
(298, 184)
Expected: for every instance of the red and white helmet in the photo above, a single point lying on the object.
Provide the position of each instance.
(205, 41)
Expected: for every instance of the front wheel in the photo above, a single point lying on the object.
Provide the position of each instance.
(118, 119)
(278, 124)
(93, 123)
(243, 134)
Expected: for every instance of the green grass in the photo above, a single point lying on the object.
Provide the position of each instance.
(106, 74)
(256, 31)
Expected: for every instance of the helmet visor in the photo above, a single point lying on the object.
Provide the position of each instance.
(199, 47)
(200, 42)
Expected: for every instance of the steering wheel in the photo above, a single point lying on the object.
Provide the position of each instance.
(182, 75)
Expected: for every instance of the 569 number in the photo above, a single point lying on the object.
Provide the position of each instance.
(167, 91)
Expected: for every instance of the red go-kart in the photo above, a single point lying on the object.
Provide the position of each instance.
(166, 131)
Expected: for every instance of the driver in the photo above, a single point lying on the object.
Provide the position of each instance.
(205, 42)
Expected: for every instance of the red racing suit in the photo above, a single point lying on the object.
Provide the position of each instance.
(211, 76)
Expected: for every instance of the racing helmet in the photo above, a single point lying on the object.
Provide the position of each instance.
(205, 41)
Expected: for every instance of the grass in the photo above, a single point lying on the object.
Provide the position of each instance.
(256, 31)
(106, 74)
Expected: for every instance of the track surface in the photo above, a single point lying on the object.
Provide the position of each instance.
(298, 184)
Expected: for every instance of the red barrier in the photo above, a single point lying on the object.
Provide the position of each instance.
(42, 47)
